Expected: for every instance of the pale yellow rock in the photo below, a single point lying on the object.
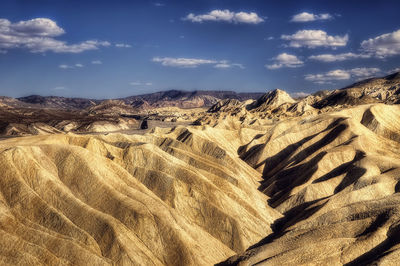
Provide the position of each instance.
(175, 198)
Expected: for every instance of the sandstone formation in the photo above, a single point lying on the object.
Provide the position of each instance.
(165, 198)
(334, 177)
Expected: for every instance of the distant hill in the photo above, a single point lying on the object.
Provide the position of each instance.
(178, 98)
(59, 102)
(384, 89)
(187, 99)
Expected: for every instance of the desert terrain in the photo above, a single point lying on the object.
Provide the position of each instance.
(214, 178)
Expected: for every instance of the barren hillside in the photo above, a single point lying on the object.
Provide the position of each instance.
(273, 181)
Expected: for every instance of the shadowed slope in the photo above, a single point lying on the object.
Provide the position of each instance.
(167, 198)
(334, 177)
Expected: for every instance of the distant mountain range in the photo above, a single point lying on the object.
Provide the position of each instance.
(384, 89)
(178, 98)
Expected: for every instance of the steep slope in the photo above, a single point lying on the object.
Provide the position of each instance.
(385, 89)
(334, 177)
(271, 100)
(272, 106)
(166, 198)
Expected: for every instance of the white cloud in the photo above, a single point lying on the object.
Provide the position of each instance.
(182, 62)
(224, 64)
(194, 62)
(384, 45)
(341, 74)
(306, 17)
(364, 71)
(43, 27)
(65, 66)
(226, 16)
(139, 83)
(328, 76)
(37, 35)
(159, 4)
(123, 45)
(97, 62)
(285, 60)
(337, 57)
(315, 38)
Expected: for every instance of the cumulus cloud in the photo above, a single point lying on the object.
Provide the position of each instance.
(306, 17)
(139, 83)
(182, 62)
(341, 74)
(315, 38)
(63, 66)
(224, 64)
(363, 72)
(226, 16)
(38, 35)
(285, 60)
(337, 74)
(337, 57)
(35, 27)
(195, 62)
(123, 45)
(384, 45)
(96, 62)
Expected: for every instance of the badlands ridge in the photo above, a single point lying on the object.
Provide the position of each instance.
(274, 181)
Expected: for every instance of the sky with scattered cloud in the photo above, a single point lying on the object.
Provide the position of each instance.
(110, 49)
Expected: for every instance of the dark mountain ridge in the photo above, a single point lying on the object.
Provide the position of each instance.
(177, 98)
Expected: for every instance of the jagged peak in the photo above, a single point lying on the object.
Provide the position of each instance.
(272, 99)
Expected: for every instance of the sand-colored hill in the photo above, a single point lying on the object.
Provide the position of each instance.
(166, 198)
(335, 179)
(318, 189)
(385, 89)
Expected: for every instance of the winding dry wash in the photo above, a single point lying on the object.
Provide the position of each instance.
(271, 181)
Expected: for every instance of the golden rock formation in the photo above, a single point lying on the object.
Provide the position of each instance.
(167, 198)
(334, 177)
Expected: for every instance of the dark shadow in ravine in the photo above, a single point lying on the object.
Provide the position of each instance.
(283, 159)
(294, 215)
(341, 169)
(393, 238)
(286, 180)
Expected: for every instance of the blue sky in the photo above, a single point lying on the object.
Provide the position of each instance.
(110, 49)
